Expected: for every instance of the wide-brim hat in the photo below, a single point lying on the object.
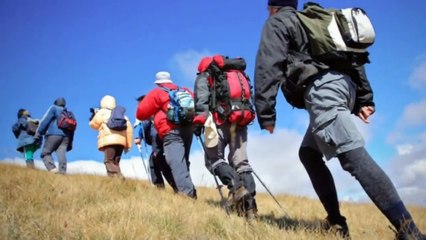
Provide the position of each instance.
(162, 77)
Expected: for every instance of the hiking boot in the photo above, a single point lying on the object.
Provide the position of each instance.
(410, 236)
(339, 227)
(235, 198)
(251, 215)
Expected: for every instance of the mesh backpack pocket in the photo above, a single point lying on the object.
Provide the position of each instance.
(181, 109)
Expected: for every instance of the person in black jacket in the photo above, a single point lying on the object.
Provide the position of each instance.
(329, 98)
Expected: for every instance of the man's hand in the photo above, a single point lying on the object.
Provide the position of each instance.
(37, 139)
(137, 141)
(365, 112)
(270, 128)
(198, 129)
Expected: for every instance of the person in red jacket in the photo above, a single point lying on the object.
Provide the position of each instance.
(177, 139)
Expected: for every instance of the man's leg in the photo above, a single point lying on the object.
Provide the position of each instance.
(61, 153)
(379, 188)
(29, 155)
(322, 181)
(155, 171)
(51, 143)
(117, 158)
(238, 159)
(109, 161)
(165, 169)
(174, 150)
(215, 163)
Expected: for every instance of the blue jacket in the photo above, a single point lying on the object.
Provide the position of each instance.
(48, 124)
(147, 131)
(20, 131)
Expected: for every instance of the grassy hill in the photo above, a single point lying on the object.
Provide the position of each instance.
(36, 204)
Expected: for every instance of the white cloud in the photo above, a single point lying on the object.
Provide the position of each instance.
(404, 149)
(414, 114)
(187, 63)
(418, 77)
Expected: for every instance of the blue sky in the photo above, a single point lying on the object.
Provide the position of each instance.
(85, 49)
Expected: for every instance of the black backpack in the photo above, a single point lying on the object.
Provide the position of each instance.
(117, 120)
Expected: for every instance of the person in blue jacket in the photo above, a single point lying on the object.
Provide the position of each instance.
(24, 130)
(56, 139)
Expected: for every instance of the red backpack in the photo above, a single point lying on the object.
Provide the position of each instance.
(231, 89)
(66, 121)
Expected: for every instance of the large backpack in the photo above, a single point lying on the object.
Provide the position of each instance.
(66, 120)
(32, 125)
(181, 109)
(117, 120)
(337, 37)
(231, 90)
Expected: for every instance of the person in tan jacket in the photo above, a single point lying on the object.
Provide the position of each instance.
(111, 142)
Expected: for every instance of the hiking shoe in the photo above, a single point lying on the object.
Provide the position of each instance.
(251, 215)
(339, 228)
(235, 198)
(410, 236)
(54, 170)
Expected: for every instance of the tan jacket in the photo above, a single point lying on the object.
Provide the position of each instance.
(108, 136)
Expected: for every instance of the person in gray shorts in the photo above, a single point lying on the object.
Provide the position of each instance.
(330, 98)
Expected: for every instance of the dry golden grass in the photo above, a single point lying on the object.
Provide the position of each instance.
(39, 205)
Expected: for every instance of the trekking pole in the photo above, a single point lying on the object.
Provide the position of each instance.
(143, 161)
(270, 193)
(219, 187)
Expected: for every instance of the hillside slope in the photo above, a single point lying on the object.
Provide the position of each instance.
(36, 204)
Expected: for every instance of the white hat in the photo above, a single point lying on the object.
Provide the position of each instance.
(211, 136)
(162, 77)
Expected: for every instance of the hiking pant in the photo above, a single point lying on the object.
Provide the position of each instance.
(29, 154)
(237, 141)
(331, 132)
(160, 168)
(158, 165)
(240, 172)
(112, 157)
(58, 144)
(177, 144)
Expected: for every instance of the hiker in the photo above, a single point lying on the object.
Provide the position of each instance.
(157, 162)
(24, 130)
(235, 172)
(112, 140)
(330, 98)
(56, 139)
(176, 138)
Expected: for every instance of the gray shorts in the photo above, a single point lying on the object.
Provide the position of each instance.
(329, 101)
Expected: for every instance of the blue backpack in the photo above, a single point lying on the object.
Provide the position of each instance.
(181, 109)
(117, 121)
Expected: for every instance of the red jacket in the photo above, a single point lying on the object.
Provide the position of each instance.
(156, 103)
